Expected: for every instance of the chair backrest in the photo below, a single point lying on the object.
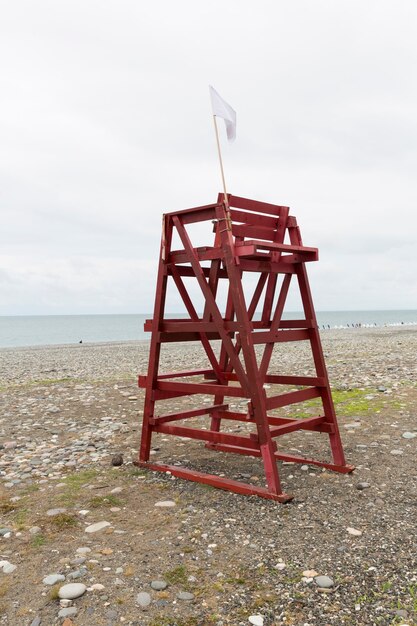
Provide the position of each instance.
(256, 220)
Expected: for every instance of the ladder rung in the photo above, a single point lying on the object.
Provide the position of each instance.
(292, 397)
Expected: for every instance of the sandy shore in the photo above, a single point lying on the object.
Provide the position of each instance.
(65, 411)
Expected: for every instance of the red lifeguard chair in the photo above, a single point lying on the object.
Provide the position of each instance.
(248, 237)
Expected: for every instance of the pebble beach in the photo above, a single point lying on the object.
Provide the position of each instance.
(87, 538)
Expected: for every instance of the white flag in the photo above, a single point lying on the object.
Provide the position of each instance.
(224, 110)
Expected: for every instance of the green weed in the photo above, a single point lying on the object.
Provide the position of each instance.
(102, 501)
(38, 541)
(63, 521)
(177, 576)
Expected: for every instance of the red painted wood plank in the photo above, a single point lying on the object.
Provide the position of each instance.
(265, 265)
(182, 415)
(292, 397)
(301, 424)
(186, 336)
(341, 469)
(254, 219)
(217, 481)
(253, 232)
(209, 389)
(255, 205)
(187, 271)
(279, 247)
(280, 336)
(207, 435)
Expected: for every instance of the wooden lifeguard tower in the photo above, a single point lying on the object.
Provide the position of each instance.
(249, 236)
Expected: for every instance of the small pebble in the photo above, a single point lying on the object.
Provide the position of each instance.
(165, 503)
(71, 611)
(408, 435)
(52, 579)
(94, 528)
(7, 567)
(185, 595)
(362, 486)
(143, 599)
(256, 620)
(159, 585)
(354, 532)
(53, 512)
(72, 590)
(324, 581)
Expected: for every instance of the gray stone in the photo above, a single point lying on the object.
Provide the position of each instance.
(52, 579)
(185, 595)
(5, 531)
(36, 622)
(143, 599)
(72, 590)
(74, 575)
(71, 611)
(94, 528)
(9, 568)
(165, 503)
(362, 486)
(35, 530)
(159, 585)
(408, 435)
(381, 388)
(53, 512)
(112, 614)
(325, 582)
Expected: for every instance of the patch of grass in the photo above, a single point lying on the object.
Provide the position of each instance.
(137, 472)
(63, 520)
(44, 382)
(235, 581)
(4, 588)
(101, 501)
(27, 491)
(20, 519)
(6, 506)
(174, 621)
(347, 402)
(74, 483)
(54, 593)
(38, 541)
(177, 575)
(78, 479)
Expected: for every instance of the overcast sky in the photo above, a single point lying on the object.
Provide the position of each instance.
(105, 123)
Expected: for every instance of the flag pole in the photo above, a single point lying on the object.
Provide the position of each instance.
(221, 163)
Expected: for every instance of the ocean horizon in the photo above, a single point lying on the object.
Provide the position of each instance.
(44, 330)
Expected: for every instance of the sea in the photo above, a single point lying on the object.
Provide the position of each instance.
(46, 330)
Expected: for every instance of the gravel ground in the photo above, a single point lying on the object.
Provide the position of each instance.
(174, 553)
